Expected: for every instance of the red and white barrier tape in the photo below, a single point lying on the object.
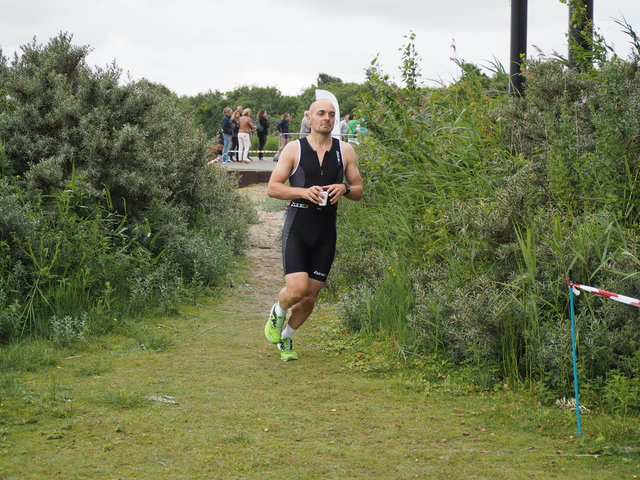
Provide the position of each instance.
(255, 151)
(603, 293)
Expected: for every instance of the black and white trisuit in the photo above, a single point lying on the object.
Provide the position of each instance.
(309, 234)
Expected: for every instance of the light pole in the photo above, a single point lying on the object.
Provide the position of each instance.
(580, 31)
(518, 46)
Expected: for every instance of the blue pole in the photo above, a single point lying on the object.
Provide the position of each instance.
(575, 360)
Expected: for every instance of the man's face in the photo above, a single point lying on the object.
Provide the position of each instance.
(322, 117)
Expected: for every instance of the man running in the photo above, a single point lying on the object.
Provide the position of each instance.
(316, 167)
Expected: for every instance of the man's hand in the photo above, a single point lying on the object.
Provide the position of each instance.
(336, 191)
(313, 194)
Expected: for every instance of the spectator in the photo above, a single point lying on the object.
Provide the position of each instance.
(354, 127)
(304, 125)
(246, 127)
(262, 128)
(235, 125)
(283, 128)
(344, 126)
(227, 133)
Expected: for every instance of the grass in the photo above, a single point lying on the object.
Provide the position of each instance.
(350, 408)
(347, 409)
(121, 398)
(93, 368)
(28, 355)
(272, 204)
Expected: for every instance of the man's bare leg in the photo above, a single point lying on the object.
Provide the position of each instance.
(299, 294)
(303, 308)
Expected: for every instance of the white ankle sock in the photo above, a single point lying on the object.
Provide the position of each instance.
(288, 332)
(280, 310)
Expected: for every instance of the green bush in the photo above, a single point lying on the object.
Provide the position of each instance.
(107, 204)
(488, 202)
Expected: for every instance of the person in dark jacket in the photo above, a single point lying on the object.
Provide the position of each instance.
(235, 126)
(263, 131)
(227, 133)
(283, 128)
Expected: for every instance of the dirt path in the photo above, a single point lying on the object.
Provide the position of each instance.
(264, 250)
(241, 413)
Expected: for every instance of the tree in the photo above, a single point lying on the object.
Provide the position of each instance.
(347, 94)
(326, 79)
(207, 108)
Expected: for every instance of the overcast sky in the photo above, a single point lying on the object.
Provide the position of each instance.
(193, 46)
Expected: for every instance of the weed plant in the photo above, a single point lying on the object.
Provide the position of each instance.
(122, 399)
(94, 368)
(486, 202)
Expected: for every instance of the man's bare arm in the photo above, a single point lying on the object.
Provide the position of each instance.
(351, 174)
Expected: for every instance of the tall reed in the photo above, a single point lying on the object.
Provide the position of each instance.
(486, 202)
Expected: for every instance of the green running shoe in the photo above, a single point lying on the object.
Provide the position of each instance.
(287, 353)
(273, 328)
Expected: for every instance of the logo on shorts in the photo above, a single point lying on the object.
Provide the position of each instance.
(319, 273)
